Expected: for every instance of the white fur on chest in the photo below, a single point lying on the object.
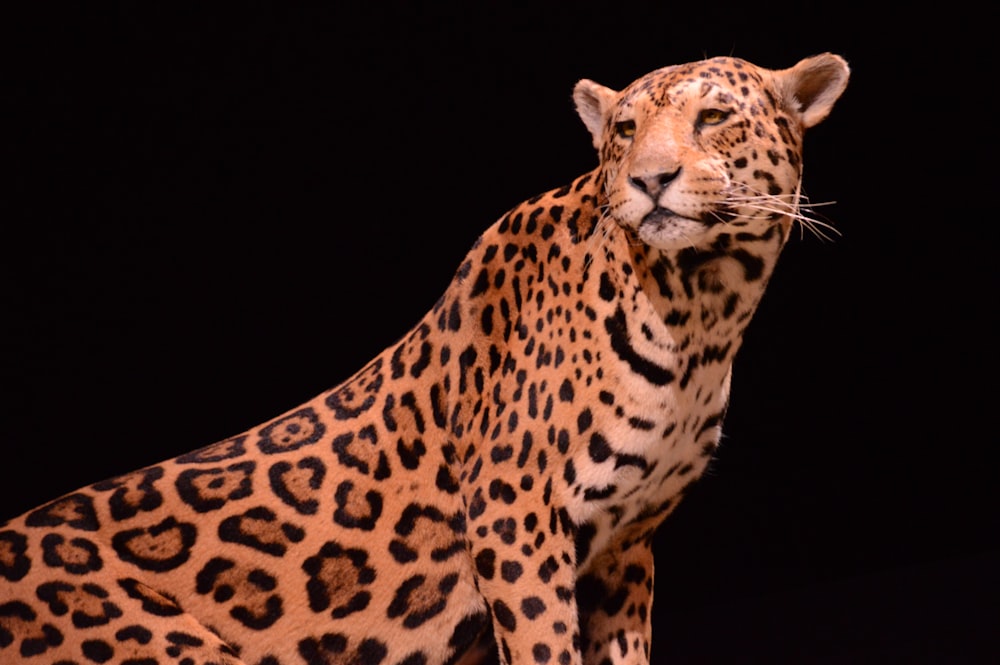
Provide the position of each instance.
(647, 467)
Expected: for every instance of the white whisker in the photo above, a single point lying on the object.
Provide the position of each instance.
(796, 206)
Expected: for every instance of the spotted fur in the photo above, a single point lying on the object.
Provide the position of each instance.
(491, 482)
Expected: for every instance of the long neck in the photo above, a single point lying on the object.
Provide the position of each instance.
(710, 291)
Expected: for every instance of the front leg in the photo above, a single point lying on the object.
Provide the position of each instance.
(525, 568)
(615, 597)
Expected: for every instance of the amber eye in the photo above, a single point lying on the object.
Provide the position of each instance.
(625, 128)
(712, 116)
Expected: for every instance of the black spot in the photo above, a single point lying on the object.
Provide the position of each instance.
(640, 423)
(180, 641)
(82, 556)
(501, 453)
(206, 490)
(109, 611)
(506, 528)
(455, 316)
(541, 653)
(234, 529)
(123, 503)
(511, 571)
(676, 317)
(409, 455)
(331, 647)
(15, 564)
(291, 432)
(569, 472)
(532, 606)
(465, 360)
(515, 223)
(401, 552)
(730, 306)
(753, 265)
(382, 471)
(259, 618)
(49, 593)
(503, 615)
(422, 362)
(634, 573)
(566, 391)
(335, 575)
(598, 448)
(340, 447)
(97, 651)
(206, 581)
(562, 441)
(606, 289)
(415, 658)
(532, 224)
(445, 481)
(712, 421)
(305, 504)
(598, 493)
(74, 510)
(345, 518)
(315, 651)
(530, 522)
(418, 616)
(356, 397)
(622, 642)
(477, 468)
(621, 345)
(547, 569)
(138, 633)
(503, 491)
(482, 283)
(52, 593)
(477, 506)
(486, 563)
(626, 459)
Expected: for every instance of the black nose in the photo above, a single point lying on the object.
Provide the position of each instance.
(653, 184)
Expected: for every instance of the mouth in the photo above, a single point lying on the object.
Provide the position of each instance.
(665, 229)
(660, 217)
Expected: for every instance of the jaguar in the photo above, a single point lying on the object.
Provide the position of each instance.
(485, 489)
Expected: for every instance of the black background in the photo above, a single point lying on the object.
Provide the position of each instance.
(214, 215)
